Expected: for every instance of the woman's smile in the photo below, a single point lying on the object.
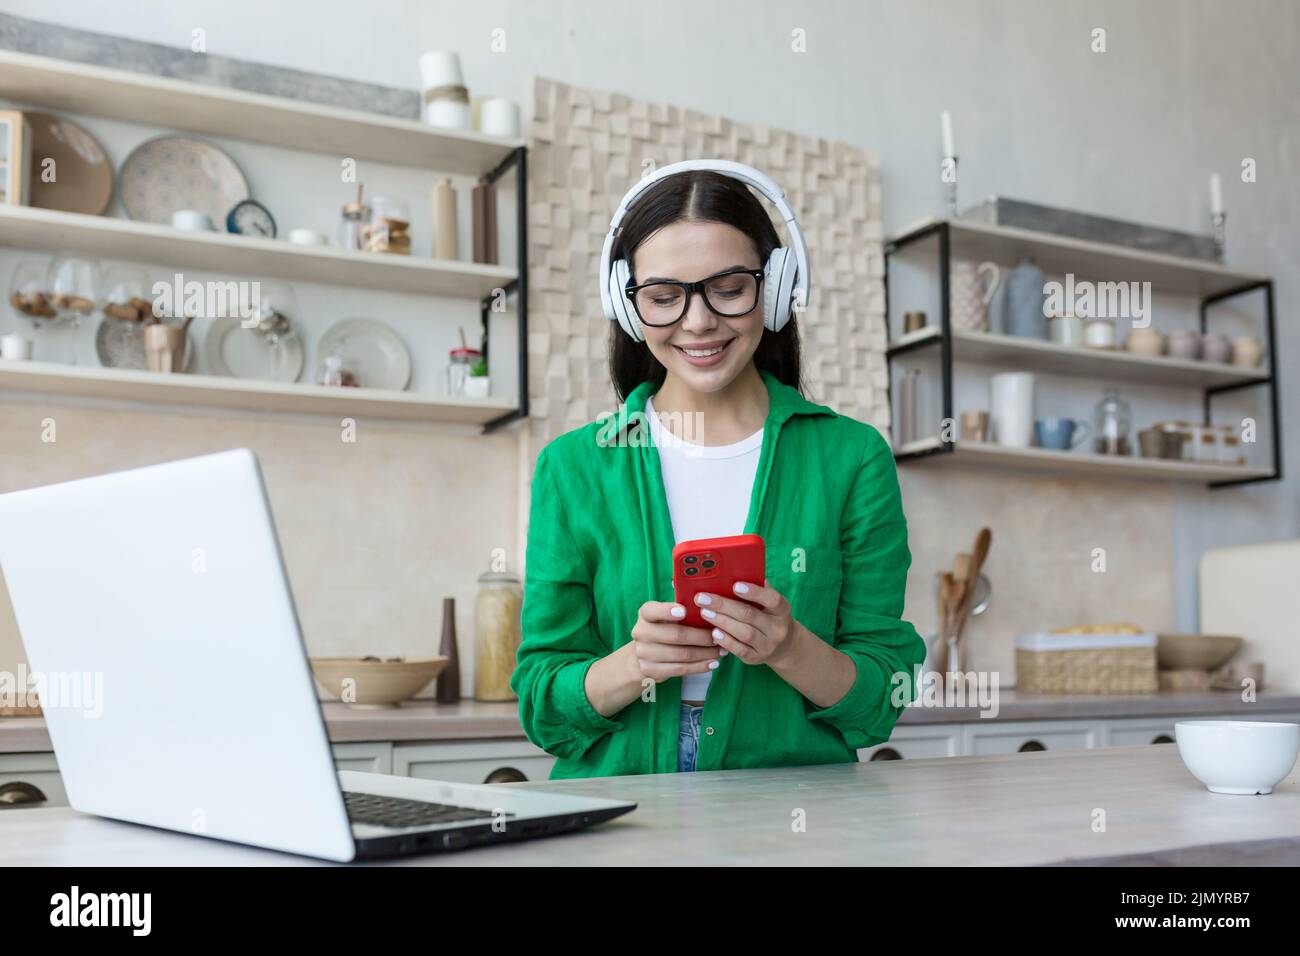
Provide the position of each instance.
(704, 354)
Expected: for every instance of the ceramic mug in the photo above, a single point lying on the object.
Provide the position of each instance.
(1011, 407)
(1061, 434)
(15, 346)
(975, 426)
(164, 347)
(192, 220)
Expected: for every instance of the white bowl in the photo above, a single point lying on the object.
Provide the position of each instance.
(1238, 756)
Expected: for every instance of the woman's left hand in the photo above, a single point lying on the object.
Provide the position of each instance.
(757, 635)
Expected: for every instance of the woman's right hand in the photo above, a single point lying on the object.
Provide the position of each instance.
(667, 648)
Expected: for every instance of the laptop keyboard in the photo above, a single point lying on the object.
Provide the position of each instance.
(399, 812)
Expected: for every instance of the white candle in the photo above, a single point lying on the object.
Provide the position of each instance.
(945, 120)
(1216, 194)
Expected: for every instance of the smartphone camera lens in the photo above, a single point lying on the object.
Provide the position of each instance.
(690, 559)
(692, 570)
(709, 564)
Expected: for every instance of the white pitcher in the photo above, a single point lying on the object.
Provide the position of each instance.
(971, 288)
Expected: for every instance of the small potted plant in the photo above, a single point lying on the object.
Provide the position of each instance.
(477, 383)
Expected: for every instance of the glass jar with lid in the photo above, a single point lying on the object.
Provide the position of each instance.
(1207, 445)
(352, 221)
(1112, 421)
(497, 634)
(460, 361)
(389, 229)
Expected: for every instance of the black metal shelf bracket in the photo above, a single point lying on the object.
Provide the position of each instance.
(518, 159)
(1275, 424)
(943, 340)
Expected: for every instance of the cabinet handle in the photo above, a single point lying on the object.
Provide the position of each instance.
(506, 775)
(20, 794)
(886, 753)
(1163, 739)
(1030, 746)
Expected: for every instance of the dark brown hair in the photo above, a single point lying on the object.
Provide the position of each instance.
(701, 196)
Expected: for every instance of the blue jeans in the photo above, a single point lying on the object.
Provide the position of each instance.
(688, 736)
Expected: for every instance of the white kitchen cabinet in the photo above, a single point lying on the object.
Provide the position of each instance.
(366, 757)
(1134, 732)
(474, 761)
(911, 742)
(1008, 737)
(35, 770)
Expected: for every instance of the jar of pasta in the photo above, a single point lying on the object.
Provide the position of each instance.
(497, 633)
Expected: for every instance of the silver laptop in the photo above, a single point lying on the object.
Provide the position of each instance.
(155, 607)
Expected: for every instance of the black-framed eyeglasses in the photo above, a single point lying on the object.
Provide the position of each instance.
(728, 294)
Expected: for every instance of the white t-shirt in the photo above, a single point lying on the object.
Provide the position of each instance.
(708, 489)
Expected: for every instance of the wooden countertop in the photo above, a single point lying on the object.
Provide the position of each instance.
(1013, 809)
(476, 720)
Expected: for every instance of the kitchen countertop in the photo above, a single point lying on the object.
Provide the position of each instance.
(1009, 809)
(479, 720)
(1020, 705)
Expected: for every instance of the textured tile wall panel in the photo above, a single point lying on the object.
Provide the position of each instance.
(589, 147)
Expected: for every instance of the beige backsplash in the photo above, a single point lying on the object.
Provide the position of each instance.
(1040, 564)
(376, 533)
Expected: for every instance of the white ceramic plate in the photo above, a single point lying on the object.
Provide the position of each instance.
(237, 352)
(379, 356)
(119, 343)
(171, 173)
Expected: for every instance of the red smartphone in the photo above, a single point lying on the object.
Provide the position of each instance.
(715, 565)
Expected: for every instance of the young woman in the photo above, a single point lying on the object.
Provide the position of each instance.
(714, 438)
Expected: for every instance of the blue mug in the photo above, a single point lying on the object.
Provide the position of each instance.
(1060, 433)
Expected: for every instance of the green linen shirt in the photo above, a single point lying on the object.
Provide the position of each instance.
(600, 538)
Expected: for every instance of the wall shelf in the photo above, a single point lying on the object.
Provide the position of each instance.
(1042, 356)
(1057, 255)
(218, 392)
(63, 85)
(1076, 463)
(72, 87)
(53, 231)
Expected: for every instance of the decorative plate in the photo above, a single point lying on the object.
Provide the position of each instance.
(119, 343)
(84, 176)
(171, 173)
(237, 352)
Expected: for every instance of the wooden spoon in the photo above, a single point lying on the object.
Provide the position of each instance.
(945, 610)
(983, 541)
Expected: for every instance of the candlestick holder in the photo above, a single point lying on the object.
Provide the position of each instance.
(949, 184)
(1220, 220)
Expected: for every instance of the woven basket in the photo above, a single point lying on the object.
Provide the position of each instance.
(1105, 668)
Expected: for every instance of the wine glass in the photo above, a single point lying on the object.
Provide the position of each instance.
(29, 293)
(74, 285)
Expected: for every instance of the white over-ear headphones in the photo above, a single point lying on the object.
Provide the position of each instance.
(785, 275)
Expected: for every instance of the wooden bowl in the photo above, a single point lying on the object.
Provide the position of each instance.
(1199, 651)
(373, 684)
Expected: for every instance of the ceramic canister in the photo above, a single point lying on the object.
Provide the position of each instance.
(1011, 406)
